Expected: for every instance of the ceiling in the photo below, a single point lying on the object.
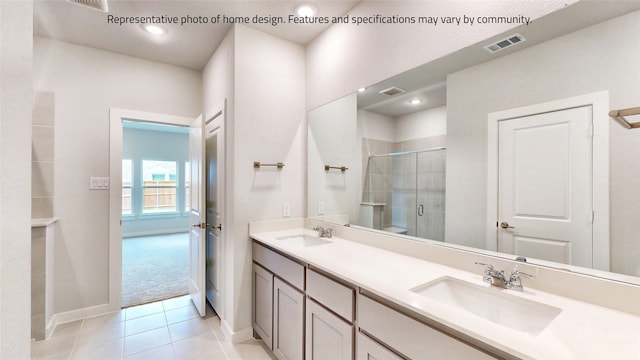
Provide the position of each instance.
(189, 45)
(428, 81)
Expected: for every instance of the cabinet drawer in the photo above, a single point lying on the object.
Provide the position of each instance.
(332, 294)
(368, 349)
(410, 337)
(281, 266)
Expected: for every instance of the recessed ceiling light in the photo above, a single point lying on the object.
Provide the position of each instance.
(362, 89)
(415, 101)
(154, 29)
(306, 10)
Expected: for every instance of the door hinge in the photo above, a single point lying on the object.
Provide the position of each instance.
(593, 216)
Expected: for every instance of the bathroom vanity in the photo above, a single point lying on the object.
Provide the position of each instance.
(346, 297)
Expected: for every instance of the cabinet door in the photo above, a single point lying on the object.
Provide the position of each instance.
(328, 337)
(262, 304)
(368, 349)
(288, 321)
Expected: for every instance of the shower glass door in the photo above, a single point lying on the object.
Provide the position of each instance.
(410, 189)
(430, 180)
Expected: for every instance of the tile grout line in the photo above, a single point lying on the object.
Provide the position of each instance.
(222, 347)
(124, 334)
(173, 349)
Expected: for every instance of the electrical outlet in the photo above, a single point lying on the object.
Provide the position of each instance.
(321, 208)
(286, 211)
(98, 183)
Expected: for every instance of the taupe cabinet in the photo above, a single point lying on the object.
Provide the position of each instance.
(303, 313)
(263, 304)
(370, 349)
(402, 334)
(278, 302)
(330, 315)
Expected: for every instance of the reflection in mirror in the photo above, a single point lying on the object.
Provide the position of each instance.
(404, 193)
(382, 137)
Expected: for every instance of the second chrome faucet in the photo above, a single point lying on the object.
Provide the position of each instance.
(324, 232)
(497, 277)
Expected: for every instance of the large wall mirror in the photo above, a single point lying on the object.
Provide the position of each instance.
(417, 155)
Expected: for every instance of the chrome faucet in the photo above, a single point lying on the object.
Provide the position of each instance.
(324, 232)
(497, 277)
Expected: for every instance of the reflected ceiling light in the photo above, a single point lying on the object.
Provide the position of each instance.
(306, 10)
(154, 29)
(415, 101)
(362, 89)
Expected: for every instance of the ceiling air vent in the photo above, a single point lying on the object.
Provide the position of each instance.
(392, 91)
(100, 5)
(505, 43)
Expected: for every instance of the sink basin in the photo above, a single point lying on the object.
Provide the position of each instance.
(492, 304)
(304, 240)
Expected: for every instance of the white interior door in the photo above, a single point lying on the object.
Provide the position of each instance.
(545, 186)
(214, 148)
(197, 233)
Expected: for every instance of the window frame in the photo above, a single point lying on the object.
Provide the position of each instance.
(132, 211)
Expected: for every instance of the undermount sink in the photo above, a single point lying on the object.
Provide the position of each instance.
(492, 304)
(304, 240)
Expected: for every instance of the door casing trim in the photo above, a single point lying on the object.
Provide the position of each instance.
(116, 115)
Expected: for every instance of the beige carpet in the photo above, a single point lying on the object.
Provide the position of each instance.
(154, 268)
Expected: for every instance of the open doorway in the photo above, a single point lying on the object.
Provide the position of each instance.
(155, 209)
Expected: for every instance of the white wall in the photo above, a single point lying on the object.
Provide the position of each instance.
(269, 126)
(376, 126)
(601, 57)
(262, 78)
(16, 100)
(332, 140)
(86, 83)
(346, 57)
(426, 123)
(217, 85)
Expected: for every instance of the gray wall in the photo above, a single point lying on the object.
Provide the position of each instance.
(16, 101)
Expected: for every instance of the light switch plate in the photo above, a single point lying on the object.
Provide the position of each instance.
(98, 183)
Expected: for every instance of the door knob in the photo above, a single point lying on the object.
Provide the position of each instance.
(219, 227)
(505, 225)
(201, 225)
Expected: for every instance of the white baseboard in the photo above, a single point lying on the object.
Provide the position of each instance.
(69, 316)
(238, 336)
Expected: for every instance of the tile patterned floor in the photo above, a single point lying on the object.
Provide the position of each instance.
(165, 330)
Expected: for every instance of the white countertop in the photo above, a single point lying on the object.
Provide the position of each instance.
(580, 331)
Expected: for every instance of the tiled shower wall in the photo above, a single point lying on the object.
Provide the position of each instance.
(42, 156)
(405, 182)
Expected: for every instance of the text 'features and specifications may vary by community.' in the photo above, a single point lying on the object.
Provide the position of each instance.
(376, 19)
